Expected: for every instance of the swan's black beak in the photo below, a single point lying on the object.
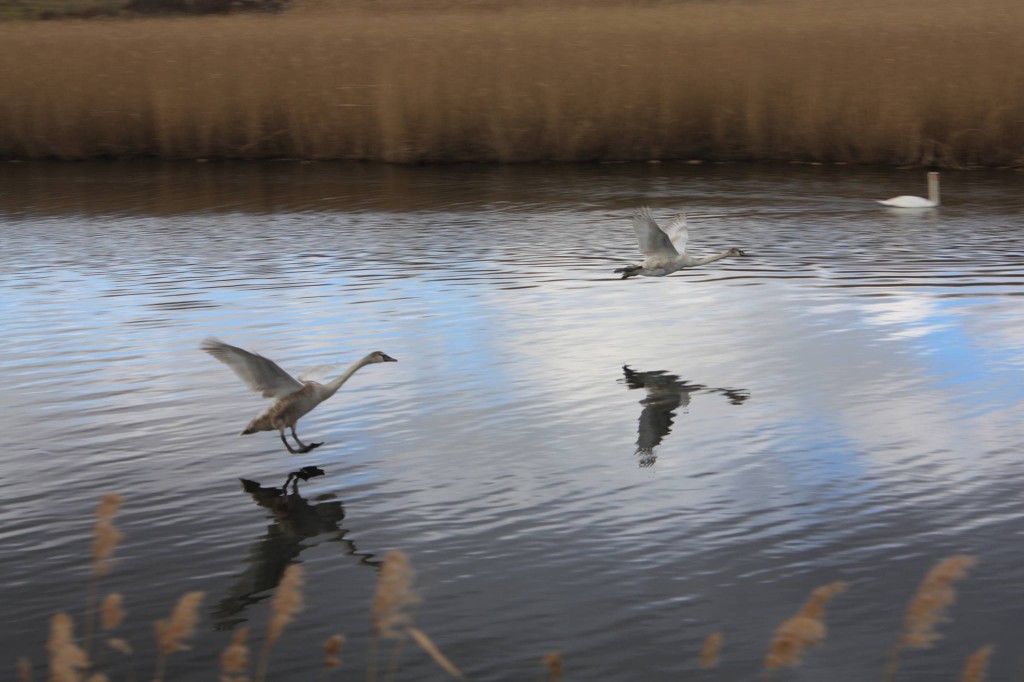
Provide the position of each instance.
(388, 358)
(742, 252)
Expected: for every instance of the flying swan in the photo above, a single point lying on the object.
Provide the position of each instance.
(665, 249)
(292, 398)
(906, 201)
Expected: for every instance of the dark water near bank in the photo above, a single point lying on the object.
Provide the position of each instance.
(844, 404)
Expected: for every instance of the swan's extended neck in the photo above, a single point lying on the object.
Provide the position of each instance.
(933, 188)
(331, 387)
(711, 259)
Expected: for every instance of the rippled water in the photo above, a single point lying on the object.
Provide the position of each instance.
(841, 405)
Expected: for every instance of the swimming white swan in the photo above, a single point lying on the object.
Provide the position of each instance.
(293, 398)
(906, 201)
(665, 250)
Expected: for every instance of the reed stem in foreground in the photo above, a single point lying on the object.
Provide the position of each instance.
(928, 608)
(172, 632)
(67, 659)
(287, 602)
(709, 652)
(553, 662)
(24, 669)
(391, 616)
(106, 537)
(234, 660)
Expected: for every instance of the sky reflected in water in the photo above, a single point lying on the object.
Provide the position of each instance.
(613, 469)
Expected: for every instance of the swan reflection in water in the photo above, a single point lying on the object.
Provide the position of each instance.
(297, 525)
(665, 394)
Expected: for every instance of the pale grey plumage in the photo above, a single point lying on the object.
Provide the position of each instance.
(653, 242)
(257, 372)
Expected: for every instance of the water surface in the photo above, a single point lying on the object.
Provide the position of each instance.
(572, 462)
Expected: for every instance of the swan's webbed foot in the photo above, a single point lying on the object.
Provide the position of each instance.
(629, 271)
(303, 448)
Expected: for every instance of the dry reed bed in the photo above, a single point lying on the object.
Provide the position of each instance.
(932, 83)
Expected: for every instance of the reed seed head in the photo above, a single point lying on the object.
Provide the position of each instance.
(332, 649)
(553, 662)
(67, 659)
(928, 607)
(709, 653)
(171, 632)
(111, 612)
(976, 666)
(804, 630)
(106, 536)
(287, 602)
(394, 597)
(24, 669)
(234, 660)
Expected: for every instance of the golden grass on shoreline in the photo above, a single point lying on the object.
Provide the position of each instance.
(872, 83)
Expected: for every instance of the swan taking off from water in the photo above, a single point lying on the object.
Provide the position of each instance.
(665, 249)
(906, 201)
(292, 398)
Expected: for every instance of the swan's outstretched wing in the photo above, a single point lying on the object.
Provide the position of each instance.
(677, 232)
(652, 241)
(318, 373)
(258, 373)
(655, 421)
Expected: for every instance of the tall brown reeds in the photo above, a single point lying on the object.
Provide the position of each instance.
(814, 80)
(287, 602)
(928, 608)
(805, 629)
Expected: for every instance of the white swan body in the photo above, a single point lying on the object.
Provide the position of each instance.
(293, 398)
(665, 249)
(906, 201)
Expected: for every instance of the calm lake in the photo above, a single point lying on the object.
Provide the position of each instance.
(842, 404)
